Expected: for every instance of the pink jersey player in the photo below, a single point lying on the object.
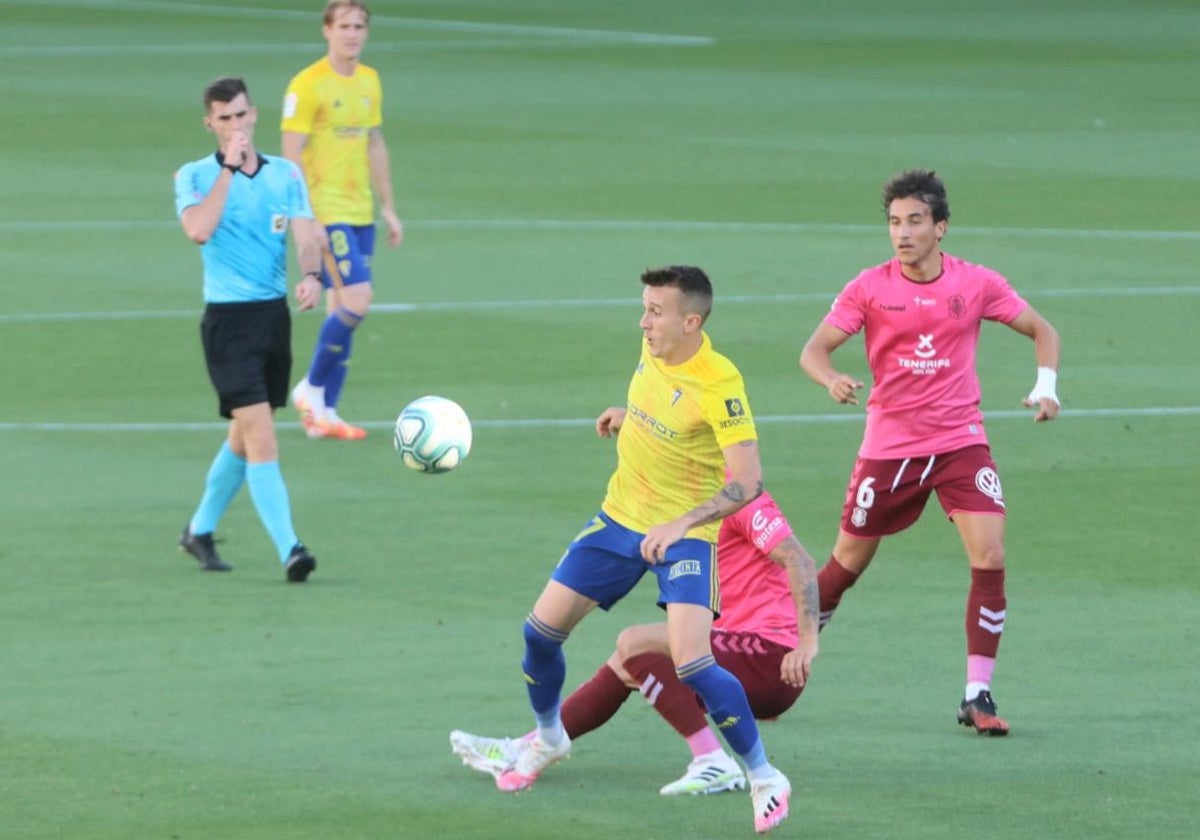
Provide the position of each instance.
(756, 595)
(920, 342)
(920, 314)
(766, 636)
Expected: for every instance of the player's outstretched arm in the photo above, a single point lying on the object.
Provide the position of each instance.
(816, 360)
(1046, 347)
(802, 578)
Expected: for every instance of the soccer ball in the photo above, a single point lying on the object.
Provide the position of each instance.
(433, 435)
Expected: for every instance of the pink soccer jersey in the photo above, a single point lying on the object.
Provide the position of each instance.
(920, 343)
(755, 595)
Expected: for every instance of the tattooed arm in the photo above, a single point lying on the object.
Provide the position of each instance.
(802, 578)
(744, 486)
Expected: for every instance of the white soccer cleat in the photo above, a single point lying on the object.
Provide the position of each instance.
(310, 404)
(334, 426)
(487, 755)
(711, 773)
(536, 757)
(770, 798)
(304, 399)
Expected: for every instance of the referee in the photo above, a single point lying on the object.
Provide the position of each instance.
(237, 205)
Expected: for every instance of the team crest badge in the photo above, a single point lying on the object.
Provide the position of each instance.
(989, 485)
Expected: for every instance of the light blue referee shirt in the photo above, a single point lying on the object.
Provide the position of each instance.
(246, 257)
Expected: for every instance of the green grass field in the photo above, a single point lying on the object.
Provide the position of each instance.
(546, 153)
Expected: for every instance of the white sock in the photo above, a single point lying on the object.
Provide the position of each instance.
(759, 773)
(316, 399)
(974, 689)
(552, 736)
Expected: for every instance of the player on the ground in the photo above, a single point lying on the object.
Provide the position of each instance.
(767, 581)
(921, 314)
(333, 129)
(686, 424)
(237, 205)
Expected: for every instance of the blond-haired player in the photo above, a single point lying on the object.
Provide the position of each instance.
(333, 129)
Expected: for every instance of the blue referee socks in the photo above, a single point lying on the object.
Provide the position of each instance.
(270, 497)
(225, 478)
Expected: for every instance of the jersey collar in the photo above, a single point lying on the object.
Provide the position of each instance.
(262, 161)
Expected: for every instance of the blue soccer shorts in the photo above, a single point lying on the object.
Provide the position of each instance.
(352, 247)
(604, 563)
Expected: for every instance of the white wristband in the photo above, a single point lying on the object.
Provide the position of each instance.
(1047, 380)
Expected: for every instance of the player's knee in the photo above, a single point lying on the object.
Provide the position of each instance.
(261, 448)
(988, 562)
(988, 556)
(626, 644)
(639, 639)
(255, 433)
(617, 665)
(357, 298)
(349, 316)
(541, 639)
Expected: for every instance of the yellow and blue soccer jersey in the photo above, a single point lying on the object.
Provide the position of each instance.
(245, 259)
(337, 113)
(669, 450)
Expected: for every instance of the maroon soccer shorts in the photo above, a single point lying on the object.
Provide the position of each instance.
(886, 496)
(755, 661)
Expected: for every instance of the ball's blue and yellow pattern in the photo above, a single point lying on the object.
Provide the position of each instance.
(433, 435)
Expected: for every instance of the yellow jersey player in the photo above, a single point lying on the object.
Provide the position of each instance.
(333, 129)
(686, 426)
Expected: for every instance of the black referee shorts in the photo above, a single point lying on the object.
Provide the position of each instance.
(248, 350)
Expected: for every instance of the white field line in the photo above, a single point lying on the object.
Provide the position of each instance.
(24, 226)
(609, 225)
(503, 30)
(546, 422)
(570, 303)
(407, 46)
